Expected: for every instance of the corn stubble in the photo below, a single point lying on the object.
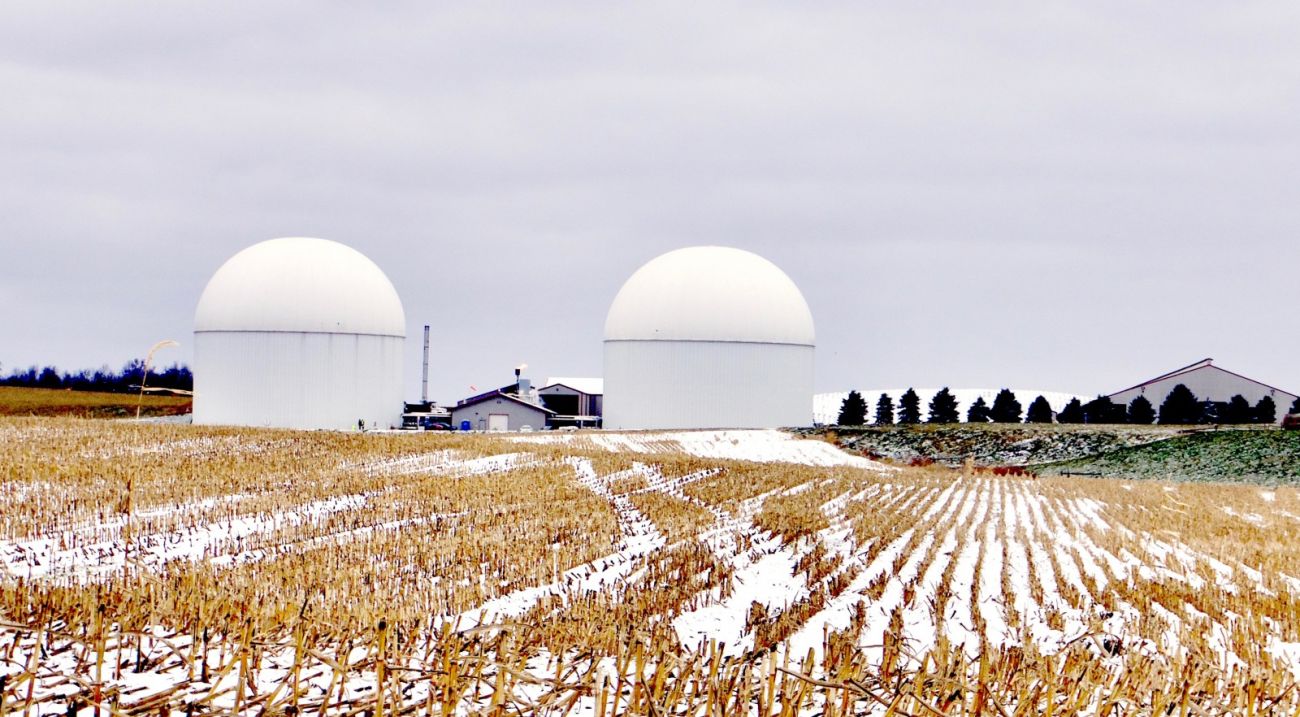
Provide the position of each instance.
(358, 561)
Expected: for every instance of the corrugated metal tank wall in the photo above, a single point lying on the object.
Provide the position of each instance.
(297, 380)
(707, 384)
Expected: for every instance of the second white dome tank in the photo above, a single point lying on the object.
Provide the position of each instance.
(708, 337)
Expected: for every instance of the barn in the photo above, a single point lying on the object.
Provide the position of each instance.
(499, 411)
(1209, 383)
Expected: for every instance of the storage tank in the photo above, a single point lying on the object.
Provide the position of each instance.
(299, 333)
(708, 337)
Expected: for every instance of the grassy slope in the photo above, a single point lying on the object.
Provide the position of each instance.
(996, 444)
(1249, 455)
(16, 401)
(1228, 455)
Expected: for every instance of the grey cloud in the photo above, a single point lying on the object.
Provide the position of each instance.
(1068, 197)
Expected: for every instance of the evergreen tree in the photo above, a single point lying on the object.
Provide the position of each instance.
(1141, 412)
(979, 412)
(909, 408)
(1006, 409)
(1295, 406)
(1040, 411)
(885, 410)
(1237, 410)
(1210, 412)
(1072, 413)
(943, 407)
(853, 410)
(1266, 410)
(49, 378)
(104, 379)
(1180, 407)
(1103, 410)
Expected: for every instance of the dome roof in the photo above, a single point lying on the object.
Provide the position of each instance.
(302, 285)
(710, 293)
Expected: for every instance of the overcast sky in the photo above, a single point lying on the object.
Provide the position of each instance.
(1069, 198)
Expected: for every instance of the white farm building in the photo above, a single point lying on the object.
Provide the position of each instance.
(1209, 383)
(708, 337)
(299, 333)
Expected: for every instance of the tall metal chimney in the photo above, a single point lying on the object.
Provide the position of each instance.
(424, 381)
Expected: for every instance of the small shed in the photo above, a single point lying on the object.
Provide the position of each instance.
(496, 411)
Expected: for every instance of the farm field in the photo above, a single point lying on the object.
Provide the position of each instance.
(17, 401)
(150, 569)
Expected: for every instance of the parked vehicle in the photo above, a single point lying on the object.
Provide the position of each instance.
(1291, 422)
(424, 422)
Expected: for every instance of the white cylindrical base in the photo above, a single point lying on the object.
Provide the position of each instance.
(297, 380)
(707, 384)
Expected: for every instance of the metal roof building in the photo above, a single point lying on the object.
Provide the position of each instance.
(577, 402)
(1209, 383)
(708, 337)
(299, 333)
(499, 411)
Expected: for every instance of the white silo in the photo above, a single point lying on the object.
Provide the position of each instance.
(299, 333)
(708, 337)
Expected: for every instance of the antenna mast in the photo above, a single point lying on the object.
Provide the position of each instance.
(424, 381)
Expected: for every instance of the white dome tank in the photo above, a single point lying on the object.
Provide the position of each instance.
(299, 333)
(708, 337)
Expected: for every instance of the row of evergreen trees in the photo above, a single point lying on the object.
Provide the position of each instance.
(1180, 407)
(102, 379)
(943, 408)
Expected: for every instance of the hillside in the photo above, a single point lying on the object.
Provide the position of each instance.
(996, 444)
(1237, 456)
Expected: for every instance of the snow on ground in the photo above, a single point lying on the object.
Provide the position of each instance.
(764, 446)
(71, 554)
(639, 538)
(1033, 565)
(767, 579)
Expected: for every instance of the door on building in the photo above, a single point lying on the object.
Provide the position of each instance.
(498, 421)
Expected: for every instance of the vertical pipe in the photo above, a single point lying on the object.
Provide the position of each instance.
(424, 381)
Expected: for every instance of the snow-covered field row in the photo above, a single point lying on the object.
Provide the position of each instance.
(649, 573)
(764, 446)
(214, 529)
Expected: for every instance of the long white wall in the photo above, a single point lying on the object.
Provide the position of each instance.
(297, 380)
(826, 406)
(707, 384)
